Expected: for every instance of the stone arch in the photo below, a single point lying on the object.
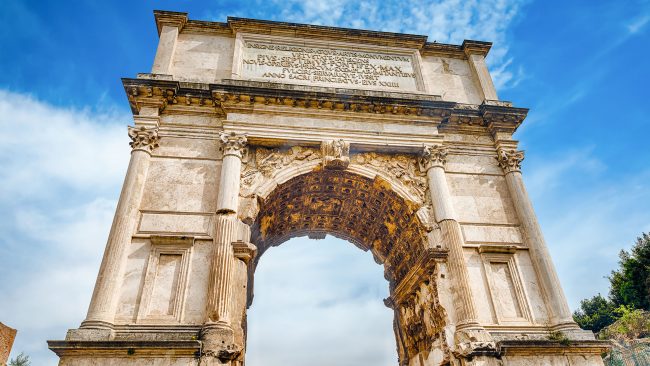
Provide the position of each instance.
(290, 193)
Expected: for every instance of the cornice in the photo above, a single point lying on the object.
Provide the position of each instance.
(332, 33)
(170, 18)
(240, 95)
(305, 31)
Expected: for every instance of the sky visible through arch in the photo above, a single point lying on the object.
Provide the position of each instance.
(579, 66)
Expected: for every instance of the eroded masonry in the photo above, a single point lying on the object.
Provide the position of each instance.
(250, 132)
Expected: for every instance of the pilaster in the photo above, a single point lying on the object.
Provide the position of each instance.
(169, 26)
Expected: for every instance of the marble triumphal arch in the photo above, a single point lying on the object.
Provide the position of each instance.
(250, 132)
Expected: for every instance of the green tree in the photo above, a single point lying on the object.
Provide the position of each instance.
(632, 324)
(630, 284)
(20, 360)
(595, 313)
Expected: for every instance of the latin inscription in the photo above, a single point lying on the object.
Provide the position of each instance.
(328, 67)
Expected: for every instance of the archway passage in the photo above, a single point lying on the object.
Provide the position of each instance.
(364, 211)
(371, 215)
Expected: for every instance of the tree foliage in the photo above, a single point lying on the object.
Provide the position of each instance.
(630, 284)
(631, 324)
(20, 360)
(595, 313)
(621, 316)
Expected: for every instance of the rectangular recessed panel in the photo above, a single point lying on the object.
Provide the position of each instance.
(504, 291)
(164, 294)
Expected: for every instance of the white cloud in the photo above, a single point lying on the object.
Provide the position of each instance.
(587, 215)
(60, 173)
(320, 303)
(444, 21)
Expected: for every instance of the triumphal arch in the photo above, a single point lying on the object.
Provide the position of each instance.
(250, 132)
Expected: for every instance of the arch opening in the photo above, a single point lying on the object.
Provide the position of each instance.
(370, 214)
(319, 302)
(363, 211)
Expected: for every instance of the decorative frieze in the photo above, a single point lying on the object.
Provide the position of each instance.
(143, 138)
(510, 160)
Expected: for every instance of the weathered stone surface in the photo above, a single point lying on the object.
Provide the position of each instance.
(250, 132)
(7, 336)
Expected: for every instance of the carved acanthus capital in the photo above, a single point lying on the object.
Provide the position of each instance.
(432, 156)
(233, 144)
(510, 160)
(336, 154)
(143, 138)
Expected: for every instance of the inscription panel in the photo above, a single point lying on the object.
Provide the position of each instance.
(329, 66)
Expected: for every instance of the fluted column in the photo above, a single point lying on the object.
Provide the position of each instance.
(510, 161)
(217, 334)
(101, 311)
(432, 162)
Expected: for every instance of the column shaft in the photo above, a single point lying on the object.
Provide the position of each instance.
(103, 304)
(220, 289)
(541, 258)
(453, 237)
(228, 198)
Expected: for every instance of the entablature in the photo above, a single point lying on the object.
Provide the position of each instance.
(233, 99)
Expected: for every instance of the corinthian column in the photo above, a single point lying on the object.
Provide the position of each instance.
(432, 162)
(106, 294)
(233, 147)
(217, 333)
(510, 161)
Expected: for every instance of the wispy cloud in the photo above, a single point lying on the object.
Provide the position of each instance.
(60, 173)
(636, 25)
(443, 21)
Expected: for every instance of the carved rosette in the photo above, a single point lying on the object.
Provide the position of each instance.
(432, 156)
(233, 144)
(510, 160)
(336, 154)
(143, 138)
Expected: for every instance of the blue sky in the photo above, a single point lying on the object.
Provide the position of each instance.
(581, 67)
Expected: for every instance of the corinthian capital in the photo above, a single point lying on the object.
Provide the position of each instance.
(432, 156)
(143, 138)
(233, 144)
(510, 160)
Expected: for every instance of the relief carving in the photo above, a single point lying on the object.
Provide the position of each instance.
(262, 165)
(401, 167)
(422, 321)
(336, 154)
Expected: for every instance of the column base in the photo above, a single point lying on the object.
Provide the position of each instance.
(218, 344)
